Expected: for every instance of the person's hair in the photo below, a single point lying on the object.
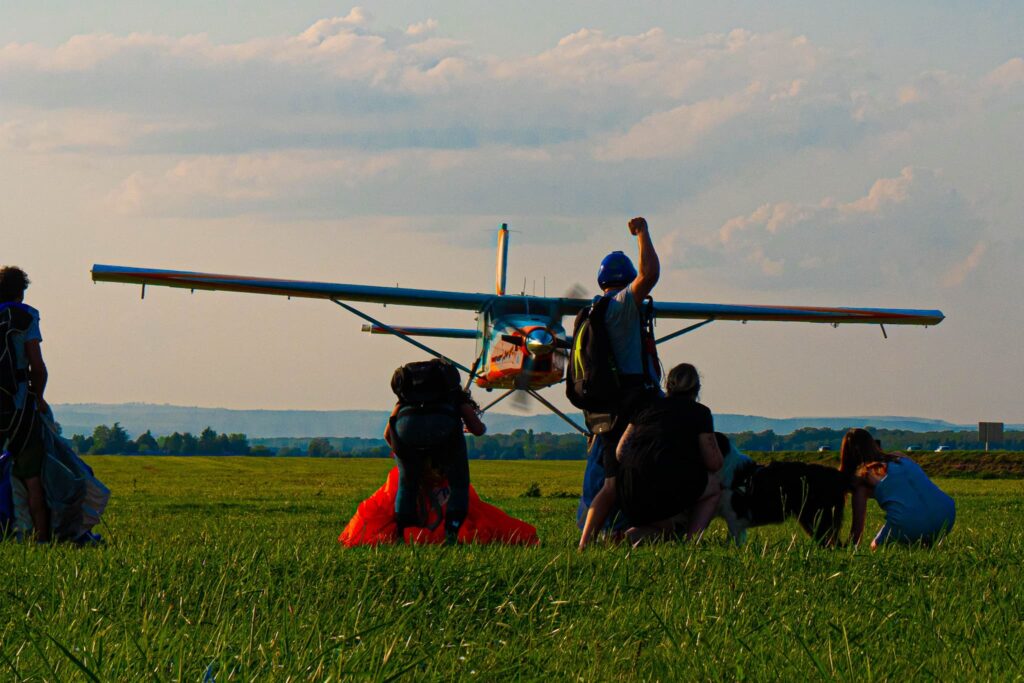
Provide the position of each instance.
(860, 448)
(878, 468)
(463, 396)
(683, 380)
(13, 283)
(723, 443)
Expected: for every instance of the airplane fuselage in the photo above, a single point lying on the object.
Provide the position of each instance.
(518, 345)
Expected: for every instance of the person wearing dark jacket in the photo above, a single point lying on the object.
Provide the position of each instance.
(21, 400)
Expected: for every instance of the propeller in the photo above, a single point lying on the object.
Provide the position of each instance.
(520, 401)
(576, 291)
(539, 342)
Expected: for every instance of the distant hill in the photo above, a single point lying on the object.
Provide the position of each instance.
(82, 418)
(734, 424)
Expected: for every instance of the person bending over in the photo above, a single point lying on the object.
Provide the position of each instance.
(23, 379)
(916, 510)
(667, 460)
(425, 432)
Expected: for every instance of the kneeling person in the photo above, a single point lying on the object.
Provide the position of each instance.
(425, 431)
(668, 458)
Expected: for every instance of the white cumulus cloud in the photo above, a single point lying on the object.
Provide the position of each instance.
(906, 230)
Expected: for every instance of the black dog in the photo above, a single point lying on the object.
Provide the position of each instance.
(814, 494)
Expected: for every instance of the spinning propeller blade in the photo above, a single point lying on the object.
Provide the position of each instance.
(520, 401)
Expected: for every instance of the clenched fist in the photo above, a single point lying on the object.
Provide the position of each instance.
(637, 225)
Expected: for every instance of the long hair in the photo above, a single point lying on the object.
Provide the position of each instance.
(13, 283)
(859, 448)
(463, 396)
(683, 380)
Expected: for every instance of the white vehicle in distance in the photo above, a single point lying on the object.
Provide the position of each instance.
(943, 449)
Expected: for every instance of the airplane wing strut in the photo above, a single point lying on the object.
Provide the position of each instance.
(547, 404)
(543, 401)
(403, 336)
(683, 331)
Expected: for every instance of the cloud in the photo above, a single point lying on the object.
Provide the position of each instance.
(956, 275)
(906, 230)
(227, 182)
(676, 131)
(339, 67)
(422, 28)
(76, 130)
(1007, 75)
(325, 29)
(345, 117)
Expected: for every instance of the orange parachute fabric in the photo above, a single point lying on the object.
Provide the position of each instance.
(374, 521)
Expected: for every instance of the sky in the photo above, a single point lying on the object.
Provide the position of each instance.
(811, 153)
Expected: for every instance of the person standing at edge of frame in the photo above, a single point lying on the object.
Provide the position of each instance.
(23, 379)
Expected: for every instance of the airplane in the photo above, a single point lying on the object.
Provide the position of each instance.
(520, 340)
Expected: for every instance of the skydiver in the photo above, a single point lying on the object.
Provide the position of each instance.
(639, 373)
(23, 379)
(425, 431)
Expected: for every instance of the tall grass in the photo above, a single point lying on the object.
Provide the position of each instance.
(228, 569)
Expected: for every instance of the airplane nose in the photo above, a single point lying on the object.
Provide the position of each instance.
(540, 342)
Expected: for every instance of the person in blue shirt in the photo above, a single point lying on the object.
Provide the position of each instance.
(626, 288)
(21, 403)
(916, 510)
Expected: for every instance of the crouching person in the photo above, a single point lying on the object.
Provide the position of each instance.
(425, 432)
(22, 383)
(668, 458)
(916, 510)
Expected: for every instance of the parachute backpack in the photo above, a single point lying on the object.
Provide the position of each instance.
(428, 416)
(14, 320)
(593, 381)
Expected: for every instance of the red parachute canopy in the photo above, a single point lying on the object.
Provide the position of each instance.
(374, 521)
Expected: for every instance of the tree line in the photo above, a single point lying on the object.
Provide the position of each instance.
(114, 440)
(518, 445)
(813, 438)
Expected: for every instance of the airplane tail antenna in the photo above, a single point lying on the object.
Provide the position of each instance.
(502, 269)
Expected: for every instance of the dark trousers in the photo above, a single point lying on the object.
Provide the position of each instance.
(451, 461)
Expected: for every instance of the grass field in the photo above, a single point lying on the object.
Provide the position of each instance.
(228, 569)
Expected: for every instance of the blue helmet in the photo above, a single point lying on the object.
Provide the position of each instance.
(616, 271)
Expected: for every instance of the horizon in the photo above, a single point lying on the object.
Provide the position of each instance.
(793, 154)
(493, 412)
(163, 420)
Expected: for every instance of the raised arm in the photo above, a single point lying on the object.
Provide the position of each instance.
(650, 266)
